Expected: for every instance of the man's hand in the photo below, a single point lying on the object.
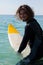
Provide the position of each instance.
(18, 53)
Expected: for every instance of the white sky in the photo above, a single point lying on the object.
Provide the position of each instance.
(10, 6)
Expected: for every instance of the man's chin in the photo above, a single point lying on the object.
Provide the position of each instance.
(24, 20)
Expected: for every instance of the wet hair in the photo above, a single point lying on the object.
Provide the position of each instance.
(26, 8)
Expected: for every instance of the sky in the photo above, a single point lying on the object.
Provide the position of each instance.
(10, 6)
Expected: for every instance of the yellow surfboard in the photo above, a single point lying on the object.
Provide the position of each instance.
(15, 40)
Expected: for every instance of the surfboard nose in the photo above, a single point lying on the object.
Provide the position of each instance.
(12, 29)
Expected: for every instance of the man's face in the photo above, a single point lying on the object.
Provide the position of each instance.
(23, 15)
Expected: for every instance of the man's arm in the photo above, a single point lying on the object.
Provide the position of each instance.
(25, 39)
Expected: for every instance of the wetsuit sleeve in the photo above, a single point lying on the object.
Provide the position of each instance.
(25, 39)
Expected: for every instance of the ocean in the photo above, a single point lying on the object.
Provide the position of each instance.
(7, 55)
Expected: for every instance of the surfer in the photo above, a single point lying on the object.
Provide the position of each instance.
(33, 35)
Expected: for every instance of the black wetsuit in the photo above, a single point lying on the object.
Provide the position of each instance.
(33, 34)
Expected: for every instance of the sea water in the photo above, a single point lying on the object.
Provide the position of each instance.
(7, 55)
